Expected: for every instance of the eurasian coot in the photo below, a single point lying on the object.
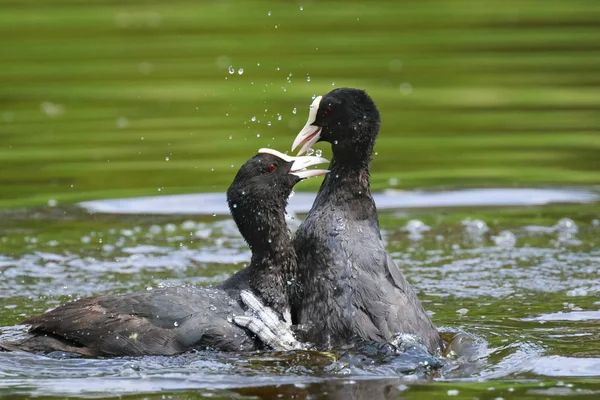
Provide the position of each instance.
(348, 285)
(176, 319)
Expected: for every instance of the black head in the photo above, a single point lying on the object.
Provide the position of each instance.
(345, 117)
(259, 192)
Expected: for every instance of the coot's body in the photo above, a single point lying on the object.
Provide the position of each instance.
(177, 319)
(348, 285)
(159, 322)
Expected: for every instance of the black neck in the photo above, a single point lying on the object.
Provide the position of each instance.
(347, 189)
(351, 158)
(273, 262)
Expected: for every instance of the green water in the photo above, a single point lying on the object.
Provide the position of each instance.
(95, 95)
(106, 99)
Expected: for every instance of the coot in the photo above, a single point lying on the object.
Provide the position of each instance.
(173, 320)
(356, 289)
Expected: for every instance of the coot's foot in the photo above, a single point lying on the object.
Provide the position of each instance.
(266, 324)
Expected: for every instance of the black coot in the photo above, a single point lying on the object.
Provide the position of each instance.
(356, 289)
(173, 320)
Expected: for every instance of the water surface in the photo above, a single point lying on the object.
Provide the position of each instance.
(522, 280)
(214, 203)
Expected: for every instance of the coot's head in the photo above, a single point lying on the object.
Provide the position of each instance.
(259, 192)
(345, 117)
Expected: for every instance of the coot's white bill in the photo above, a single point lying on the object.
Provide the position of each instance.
(300, 163)
(310, 134)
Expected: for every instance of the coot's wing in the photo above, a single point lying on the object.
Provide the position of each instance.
(407, 314)
(373, 296)
(160, 322)
(385, 303)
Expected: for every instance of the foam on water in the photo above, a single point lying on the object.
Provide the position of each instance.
(568, 316)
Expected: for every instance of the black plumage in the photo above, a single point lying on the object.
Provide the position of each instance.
(173, 320)
(348, 285)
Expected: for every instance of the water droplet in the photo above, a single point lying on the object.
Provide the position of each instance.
(270, 241)
(258, 64)
(231, 165)
(505, 239)
(415, 228)
(301, 8)
(335, 142)
(166, 158)
(258, 135)
(566, 225)
(230, 137)
(253, 119)
(240, 71)
(149, 288)
(269, 13)
(234, 205)
(278, 117)
(175, 323)
(307, 78)
(332, 83)
(406, 88)
(268, 123)
(122, 122)
(475, 228)
(294, 111)
(318, 153)
(231, 70)
(310, 152)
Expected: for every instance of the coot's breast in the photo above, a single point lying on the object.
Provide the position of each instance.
(353, 288)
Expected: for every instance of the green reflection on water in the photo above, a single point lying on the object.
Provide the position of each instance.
(94, 96)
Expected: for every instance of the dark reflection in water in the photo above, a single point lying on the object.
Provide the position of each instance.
(339, 389)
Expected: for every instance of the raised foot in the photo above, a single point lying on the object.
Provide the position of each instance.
(266, 324)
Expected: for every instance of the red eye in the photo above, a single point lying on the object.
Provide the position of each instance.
(328, 111)
(271, 168)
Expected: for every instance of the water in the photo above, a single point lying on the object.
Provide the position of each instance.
(525, 290)
(209, 203)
